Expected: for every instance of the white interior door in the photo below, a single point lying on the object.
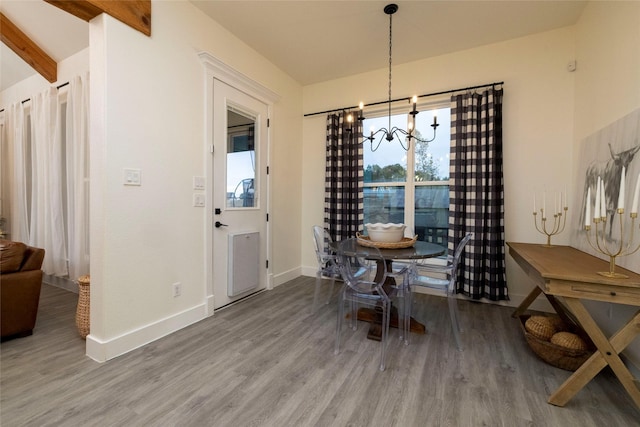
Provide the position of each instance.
(239, 197)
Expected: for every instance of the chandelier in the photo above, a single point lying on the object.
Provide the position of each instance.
(402, 136)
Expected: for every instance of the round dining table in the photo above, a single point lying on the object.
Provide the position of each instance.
(419, 250)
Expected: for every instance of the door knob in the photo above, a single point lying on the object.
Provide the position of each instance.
(218, 224)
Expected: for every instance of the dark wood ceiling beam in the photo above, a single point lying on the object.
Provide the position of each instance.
(134, 13)
(27, 49)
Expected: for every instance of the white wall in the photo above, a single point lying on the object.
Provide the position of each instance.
(607, 89)
(148, 112)
(537, 125)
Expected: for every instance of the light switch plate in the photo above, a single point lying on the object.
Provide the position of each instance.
(198, 200)
(132, 177)
(198, 182)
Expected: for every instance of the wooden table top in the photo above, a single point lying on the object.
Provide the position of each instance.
(570, 264)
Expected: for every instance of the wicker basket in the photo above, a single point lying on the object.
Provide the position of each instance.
(82, 311)
(406, 242)
(540, 327)
(556, 355)
(569, 340)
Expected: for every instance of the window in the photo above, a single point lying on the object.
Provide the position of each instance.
(410, 187)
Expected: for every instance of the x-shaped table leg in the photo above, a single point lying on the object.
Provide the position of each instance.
(607, 354)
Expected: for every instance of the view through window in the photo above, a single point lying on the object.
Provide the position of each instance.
(241, 161)
(410, 187)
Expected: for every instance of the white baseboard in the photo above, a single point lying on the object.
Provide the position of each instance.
(281, 278)
(101, 351)
(309, 271)
(61, 282)
(209, 305)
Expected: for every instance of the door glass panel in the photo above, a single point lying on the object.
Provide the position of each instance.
(241, 161)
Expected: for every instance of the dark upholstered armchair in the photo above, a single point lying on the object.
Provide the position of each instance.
(20, 282)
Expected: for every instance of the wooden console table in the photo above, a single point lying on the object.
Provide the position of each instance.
(568, 273)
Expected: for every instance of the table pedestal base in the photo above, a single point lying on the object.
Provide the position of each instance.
(375, 318)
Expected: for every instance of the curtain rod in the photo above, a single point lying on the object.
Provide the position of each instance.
(405, 99)
(29, 99)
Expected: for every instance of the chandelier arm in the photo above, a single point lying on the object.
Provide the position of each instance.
(373, 134)
(427, 140)
(390, 134)
(408, 140)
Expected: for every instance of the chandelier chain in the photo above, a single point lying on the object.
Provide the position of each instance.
(390, 53)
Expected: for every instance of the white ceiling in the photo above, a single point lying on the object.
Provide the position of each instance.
(315, 41)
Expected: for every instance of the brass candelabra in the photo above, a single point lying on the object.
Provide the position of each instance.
(612, 250)
(559, 221)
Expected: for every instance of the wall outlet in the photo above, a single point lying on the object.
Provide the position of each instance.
(177, 289)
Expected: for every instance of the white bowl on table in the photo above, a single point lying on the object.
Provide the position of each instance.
(386, 233)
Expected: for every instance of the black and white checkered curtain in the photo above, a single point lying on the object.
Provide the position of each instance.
(476, 192)
(344, 177)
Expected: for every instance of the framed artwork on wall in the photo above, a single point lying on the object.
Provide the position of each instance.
(602, 156)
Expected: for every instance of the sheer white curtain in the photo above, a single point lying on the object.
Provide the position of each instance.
(48, 154)
(15, 132)
(47, 211)
(77, 152)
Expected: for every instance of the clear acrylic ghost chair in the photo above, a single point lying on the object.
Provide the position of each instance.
(444, 280)
(401, 275)
(402, 271)
(327, 267)
(359, 289)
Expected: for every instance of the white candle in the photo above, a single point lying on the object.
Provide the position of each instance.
(636, 194)
(603, 201)
(587, 215)
(596, 210)
(544, 203)
(534, 201)
(622, 190)
(555, 203)
(566, 198)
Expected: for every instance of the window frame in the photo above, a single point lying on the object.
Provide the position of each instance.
(409, 184)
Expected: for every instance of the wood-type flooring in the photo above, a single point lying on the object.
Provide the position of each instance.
(269, 361)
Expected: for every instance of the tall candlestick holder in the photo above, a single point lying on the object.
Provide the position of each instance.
(612, 250)
(559, 221)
